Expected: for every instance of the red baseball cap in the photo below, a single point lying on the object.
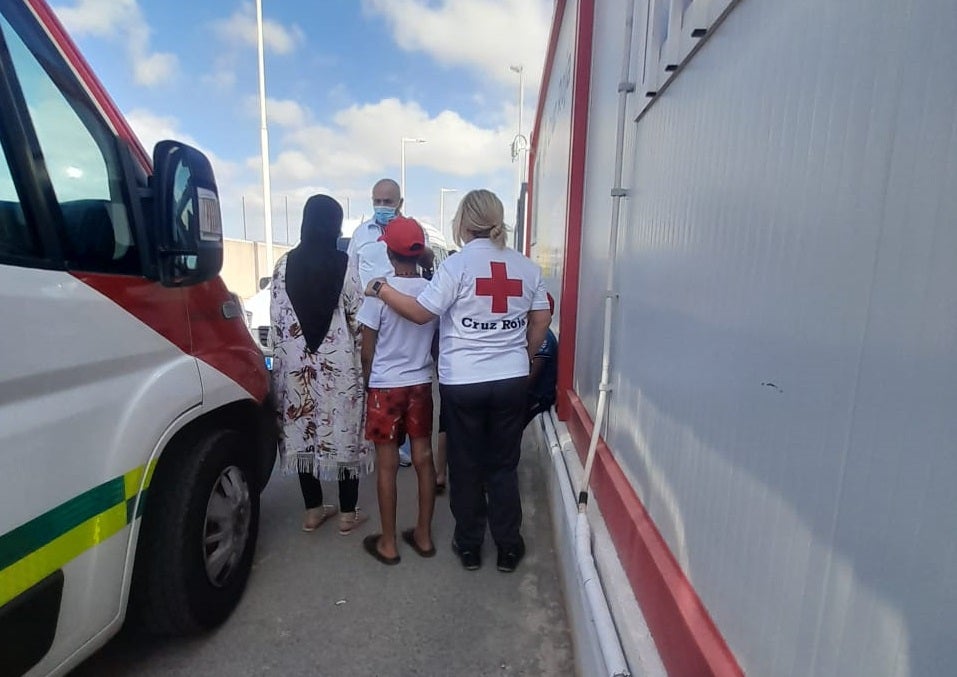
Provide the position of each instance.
(404, 236)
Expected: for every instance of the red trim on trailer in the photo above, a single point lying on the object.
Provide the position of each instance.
(70, 52)
(542, 89)
(576, 201)
(687, 639)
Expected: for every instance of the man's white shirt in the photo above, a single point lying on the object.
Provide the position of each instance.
(483, 295)
(368, 254)
(403, 351)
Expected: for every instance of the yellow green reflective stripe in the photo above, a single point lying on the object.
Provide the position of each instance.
(39, 564)
(132, 481)
(34, 550)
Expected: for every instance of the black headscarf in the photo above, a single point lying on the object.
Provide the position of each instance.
(316, 269)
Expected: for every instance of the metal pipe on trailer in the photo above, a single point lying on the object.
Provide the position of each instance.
(625, 87)
(610, 652)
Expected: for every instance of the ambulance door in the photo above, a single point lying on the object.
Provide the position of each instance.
(86, 388)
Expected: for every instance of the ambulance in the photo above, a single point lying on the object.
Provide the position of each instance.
(135, 427)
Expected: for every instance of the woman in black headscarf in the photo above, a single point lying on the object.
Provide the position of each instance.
(317, 373)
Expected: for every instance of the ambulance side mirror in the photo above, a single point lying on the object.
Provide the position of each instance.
(186, 215)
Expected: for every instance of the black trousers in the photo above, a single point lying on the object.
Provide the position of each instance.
(485, 423)
(312, 492)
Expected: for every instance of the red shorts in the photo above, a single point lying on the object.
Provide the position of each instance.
(394, 412)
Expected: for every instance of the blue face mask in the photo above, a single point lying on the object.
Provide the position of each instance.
(384, 214)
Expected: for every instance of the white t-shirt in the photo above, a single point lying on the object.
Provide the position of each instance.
(483, 295)
(368, 254)
(403, 351)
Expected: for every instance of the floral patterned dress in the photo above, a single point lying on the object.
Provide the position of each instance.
(321, 394)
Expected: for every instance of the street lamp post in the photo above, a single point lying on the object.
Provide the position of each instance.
(520, 143)
(264, 137)
(442, 225)
(520, 153)
(405, 140)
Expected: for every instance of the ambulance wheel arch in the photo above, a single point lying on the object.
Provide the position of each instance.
(199, 526)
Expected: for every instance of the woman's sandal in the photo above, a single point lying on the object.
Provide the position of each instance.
(315, 517)
(408, 535)
(371, 545)
(349, 521)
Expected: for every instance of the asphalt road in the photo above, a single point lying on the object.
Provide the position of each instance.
(317, 604)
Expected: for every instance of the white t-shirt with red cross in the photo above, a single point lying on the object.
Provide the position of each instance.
(403, 349)
(482, 296)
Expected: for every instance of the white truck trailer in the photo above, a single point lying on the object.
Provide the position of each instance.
(765, 192)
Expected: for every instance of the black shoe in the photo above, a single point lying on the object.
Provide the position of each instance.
(471, 559)
(508, 558)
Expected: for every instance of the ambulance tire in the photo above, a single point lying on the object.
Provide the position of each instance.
(174, 593)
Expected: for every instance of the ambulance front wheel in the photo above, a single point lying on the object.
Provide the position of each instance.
(198, 535)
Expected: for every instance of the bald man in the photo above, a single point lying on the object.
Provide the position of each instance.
(365, 250)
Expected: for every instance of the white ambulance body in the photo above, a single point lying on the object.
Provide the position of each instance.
(135, 430)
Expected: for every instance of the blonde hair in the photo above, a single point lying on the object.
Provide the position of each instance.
(481, 215)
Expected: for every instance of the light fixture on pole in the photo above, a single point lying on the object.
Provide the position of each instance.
(443, 227)
(520, 143)
(405, 140)
(264, 137)
(520, 153)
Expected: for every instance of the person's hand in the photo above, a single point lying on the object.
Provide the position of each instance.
(374, 285)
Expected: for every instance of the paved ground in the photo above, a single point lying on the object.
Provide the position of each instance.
(318, 605)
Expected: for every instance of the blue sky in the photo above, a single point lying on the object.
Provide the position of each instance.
(345, 81)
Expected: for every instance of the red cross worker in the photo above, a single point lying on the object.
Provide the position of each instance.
(493, 315)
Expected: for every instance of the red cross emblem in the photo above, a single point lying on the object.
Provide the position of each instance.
(500, 287)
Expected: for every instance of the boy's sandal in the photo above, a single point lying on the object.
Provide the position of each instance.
(408, 535)
(371, 545)
(315, 517)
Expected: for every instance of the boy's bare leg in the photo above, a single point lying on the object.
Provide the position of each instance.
(387, 458)
(440, 459)
(425, 473)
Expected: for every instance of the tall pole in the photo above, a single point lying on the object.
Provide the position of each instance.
(402, 194)
(264, 138)
(245, 236)
(520, 144)
(287, 219)
(519, 152)
(445, 229)
(521, 109)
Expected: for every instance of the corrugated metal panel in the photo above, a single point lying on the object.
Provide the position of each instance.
(785, 363)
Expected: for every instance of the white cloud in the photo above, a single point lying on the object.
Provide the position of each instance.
(154, 69)
(151, 128)
(223, 75)
(241, 28)
(121, 21)
(486, 35)
(279, 112)
(365, 140)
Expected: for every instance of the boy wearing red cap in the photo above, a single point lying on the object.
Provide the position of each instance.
(397, 363)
